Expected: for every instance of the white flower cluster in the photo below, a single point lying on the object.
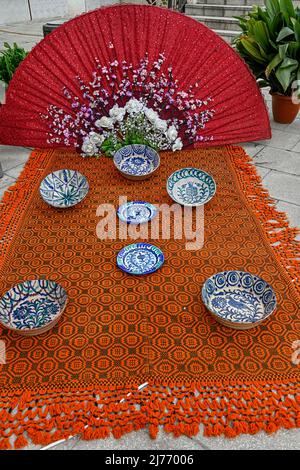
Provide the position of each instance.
(122, 119)
(92, 144)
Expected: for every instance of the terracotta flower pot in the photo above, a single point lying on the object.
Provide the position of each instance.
(284, 110)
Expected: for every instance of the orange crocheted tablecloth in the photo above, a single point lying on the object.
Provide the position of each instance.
(120, 331)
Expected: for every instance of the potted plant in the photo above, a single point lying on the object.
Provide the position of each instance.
(270, 45)
(10, 59)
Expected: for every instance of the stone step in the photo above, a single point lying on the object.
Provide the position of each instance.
(219, 22)
(227, 35)
(216, 10)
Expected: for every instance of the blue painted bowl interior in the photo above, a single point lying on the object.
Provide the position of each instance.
(239, 297)
(191, 186)
(64, 188)
(140, 258)
(32, 304)
(136, 212)
(138, 156)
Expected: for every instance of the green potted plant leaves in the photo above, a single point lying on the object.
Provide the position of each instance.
(10, 59)
(270, 45)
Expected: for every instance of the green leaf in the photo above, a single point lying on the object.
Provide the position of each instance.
(262, 15)
(293, 49)
(10, 59)
(286, 6)
(284, 73)
(275, 25)
(284, 33)
(272, 7)
(271, 66)
(261, 35)
(296, 25)
(252, 49)
(282, 50)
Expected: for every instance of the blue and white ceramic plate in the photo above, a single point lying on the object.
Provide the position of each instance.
(140, 258)
(136, 212)
(33, 307)
(136, 161)
(238, 299)
(191, 187)
(64, 188)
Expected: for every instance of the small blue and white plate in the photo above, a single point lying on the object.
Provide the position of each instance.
(238, 299)
(64, 188)
(140, 258)
(33, 307)
(136, 161)
(136, 212)
(191, 187)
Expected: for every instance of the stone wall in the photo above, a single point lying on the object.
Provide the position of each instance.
(17, 11)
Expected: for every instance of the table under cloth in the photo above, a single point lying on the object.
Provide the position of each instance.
(120, 331)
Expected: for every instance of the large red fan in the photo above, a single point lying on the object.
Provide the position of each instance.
(40, 110)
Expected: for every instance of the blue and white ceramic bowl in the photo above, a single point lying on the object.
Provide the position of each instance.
(238, 299)
(136, 212)
(64, 188)
(33, 307)
(140, 258)
(191, 187)
(137, 162)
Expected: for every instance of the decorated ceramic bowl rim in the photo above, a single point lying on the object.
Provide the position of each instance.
(5, 325)
(161, 254)
(58, 171)
(191, 168)
(132, 203)
(240, 272)
(143, 174)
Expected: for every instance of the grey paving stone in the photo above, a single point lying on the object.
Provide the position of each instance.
(26, 42)
(296, 148)
(282, 439)
(295, 126)
(280, 160)
(5, 182)
(15, 172)
(281, 140)
(33, 29)
(10, 156)
(292, 211)
(283, 186)
(2, 92)
(281, 127)
(140, 440)
(252, 148)
(263, 172)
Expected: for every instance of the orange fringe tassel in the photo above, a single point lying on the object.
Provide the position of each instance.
(179, 408)
(274, 224)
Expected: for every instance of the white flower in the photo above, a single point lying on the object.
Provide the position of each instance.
(105, 122)
(95, 138)
(177, 144)
(161, 125)
(151, 115)
(134, 106)
(89, 148)
(172, 133)
(117, 113)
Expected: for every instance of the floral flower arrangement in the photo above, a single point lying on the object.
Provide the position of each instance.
(125, 105)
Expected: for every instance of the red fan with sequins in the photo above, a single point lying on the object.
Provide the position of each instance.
(94, 68)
